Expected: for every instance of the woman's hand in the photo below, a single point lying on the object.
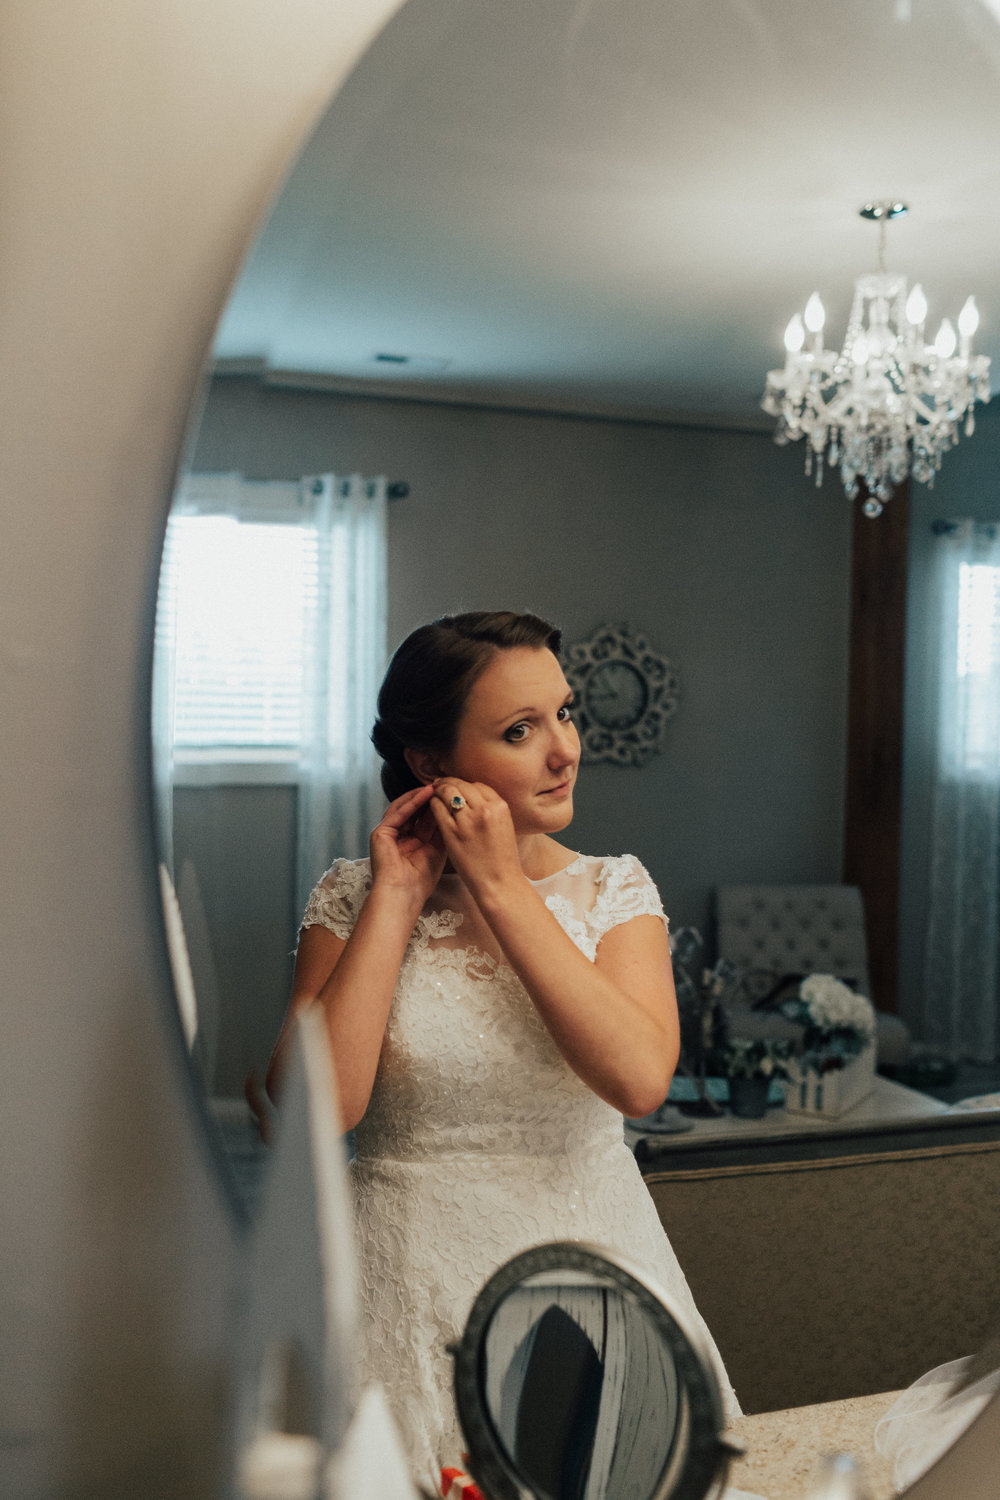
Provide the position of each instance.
(478, 835)
(407, 851)
(261, 1107)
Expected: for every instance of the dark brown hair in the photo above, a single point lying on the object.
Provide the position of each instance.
(430, 676)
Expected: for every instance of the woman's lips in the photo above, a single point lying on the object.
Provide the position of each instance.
(562, 790)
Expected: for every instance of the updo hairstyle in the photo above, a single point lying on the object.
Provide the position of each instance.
(429, 678)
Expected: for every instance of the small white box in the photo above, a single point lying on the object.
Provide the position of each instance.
(830, 1094)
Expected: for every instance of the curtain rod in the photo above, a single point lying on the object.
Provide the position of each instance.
(948, 528)
(397, 489)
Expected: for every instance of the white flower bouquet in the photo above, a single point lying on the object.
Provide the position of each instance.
(837, 1023)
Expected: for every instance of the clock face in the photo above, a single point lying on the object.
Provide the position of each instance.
(626, 691)
(616, 695)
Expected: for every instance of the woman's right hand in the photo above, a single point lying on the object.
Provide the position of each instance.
(407, 851)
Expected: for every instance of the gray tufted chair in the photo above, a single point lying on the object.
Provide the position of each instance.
(795, 929)
(771, 930)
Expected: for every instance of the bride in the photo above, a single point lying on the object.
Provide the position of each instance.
(495, 1003)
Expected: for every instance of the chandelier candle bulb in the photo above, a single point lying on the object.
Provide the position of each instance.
(916, 307)
(815, 317)
(968, 322)
(968, 318)
(815, 314)
(946, 342)
(887, 406)
(795, 335)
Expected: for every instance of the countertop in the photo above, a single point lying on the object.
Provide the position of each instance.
(888, 1104)
(784, 1447)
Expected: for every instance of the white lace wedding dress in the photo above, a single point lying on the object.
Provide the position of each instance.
(480, 1141)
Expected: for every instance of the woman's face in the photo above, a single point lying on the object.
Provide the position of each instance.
(516, 735)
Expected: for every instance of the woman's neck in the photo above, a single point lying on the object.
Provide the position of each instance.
(540, 855)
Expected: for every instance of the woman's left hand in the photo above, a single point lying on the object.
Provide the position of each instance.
(478, 833)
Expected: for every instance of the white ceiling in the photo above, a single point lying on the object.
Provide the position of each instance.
(614, 206)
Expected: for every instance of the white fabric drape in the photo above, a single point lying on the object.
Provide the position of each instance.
(197, 495)
(162, 734)
(340, 798)
(297, 690)
(962, 993)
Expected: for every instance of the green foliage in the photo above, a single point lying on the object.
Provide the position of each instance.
(764, 1057)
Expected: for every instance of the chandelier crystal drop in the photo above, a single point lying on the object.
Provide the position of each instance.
(887, 404)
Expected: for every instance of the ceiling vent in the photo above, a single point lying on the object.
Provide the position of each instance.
(415, 363)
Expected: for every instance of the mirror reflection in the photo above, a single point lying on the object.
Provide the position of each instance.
(579, 1423)
(494, 1002)
(575, 1381)
(536, 277)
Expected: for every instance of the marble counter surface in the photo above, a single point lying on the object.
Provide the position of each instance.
(784, 1447)
(888, 1103)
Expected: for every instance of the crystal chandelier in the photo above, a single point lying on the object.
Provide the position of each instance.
(887, 404)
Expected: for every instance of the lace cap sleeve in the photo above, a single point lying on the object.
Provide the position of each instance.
(625, 890)
(338, 898)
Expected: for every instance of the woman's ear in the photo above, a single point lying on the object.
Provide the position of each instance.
(424, 765)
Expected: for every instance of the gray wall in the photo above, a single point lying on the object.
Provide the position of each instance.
(711, 543)
(241, 840)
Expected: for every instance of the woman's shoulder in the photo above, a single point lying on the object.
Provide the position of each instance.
(338, 896)
(625, 887)
(594, 865)
(347, 872)
(612, 867)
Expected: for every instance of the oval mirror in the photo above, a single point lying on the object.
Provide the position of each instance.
(576, 1380)
(535, 263)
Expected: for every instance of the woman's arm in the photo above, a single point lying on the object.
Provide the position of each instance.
(354, 982)
(354, 979)
(614, 1020)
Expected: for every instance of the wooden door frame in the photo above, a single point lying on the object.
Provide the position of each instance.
(874, 770)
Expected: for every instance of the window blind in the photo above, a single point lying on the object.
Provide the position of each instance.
(238, 603)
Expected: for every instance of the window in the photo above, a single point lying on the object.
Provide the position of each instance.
(257, 623)
(239, 601)
(978, 660)
(270, 643)
(961, 1001)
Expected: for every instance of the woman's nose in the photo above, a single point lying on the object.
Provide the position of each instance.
(565, 745)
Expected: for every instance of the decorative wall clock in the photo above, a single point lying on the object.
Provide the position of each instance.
(625, 693)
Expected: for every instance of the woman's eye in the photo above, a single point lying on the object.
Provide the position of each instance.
(516, 732)
(566, 712)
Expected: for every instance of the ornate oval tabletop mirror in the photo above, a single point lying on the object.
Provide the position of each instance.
(520, 249)
(575, 1380)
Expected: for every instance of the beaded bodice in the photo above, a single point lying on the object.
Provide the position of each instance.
(467, 1063)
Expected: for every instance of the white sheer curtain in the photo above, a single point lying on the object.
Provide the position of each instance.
(270, 646)
(340, 798)
(962, 973)
(162, 720)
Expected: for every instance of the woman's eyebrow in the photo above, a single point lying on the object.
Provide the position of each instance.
(530, 711)
(517, 713)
